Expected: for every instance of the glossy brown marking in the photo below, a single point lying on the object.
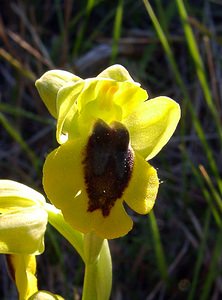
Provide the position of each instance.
(108, 165)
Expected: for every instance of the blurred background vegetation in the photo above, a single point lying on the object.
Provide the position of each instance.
(173, 48)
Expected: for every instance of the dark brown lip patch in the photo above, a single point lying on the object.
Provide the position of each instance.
(108, 165)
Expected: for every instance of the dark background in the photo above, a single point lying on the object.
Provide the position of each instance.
(175, 252)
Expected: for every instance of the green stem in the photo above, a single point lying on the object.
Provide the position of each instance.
(89, 286)
(98, 268)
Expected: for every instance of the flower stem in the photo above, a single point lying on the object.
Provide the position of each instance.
(89, 286)
(98, 268)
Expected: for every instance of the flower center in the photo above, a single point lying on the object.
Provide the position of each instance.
(108, 165)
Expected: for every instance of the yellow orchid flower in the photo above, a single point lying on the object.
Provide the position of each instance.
(23, 219)
(107, 131)
(23, 222)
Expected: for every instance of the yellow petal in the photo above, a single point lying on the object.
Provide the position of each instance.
(22, 269)
(129, 96)
(22, 231)
(66, 109)
(23, 219)
(15, 195)
(86, 100)
(100, 92)
(111, 96)
(49, 84)
(117, 73)
(152, 125)
(108, 100)
(141, 193)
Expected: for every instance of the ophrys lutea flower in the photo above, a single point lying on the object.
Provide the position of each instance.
(23, 221)
(107, 130)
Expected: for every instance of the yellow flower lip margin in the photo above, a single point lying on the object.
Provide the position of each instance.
(111, 96)
(23, 219)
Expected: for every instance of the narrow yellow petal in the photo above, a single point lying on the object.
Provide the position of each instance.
(152, 125)
(22, 269)
(66, 109)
